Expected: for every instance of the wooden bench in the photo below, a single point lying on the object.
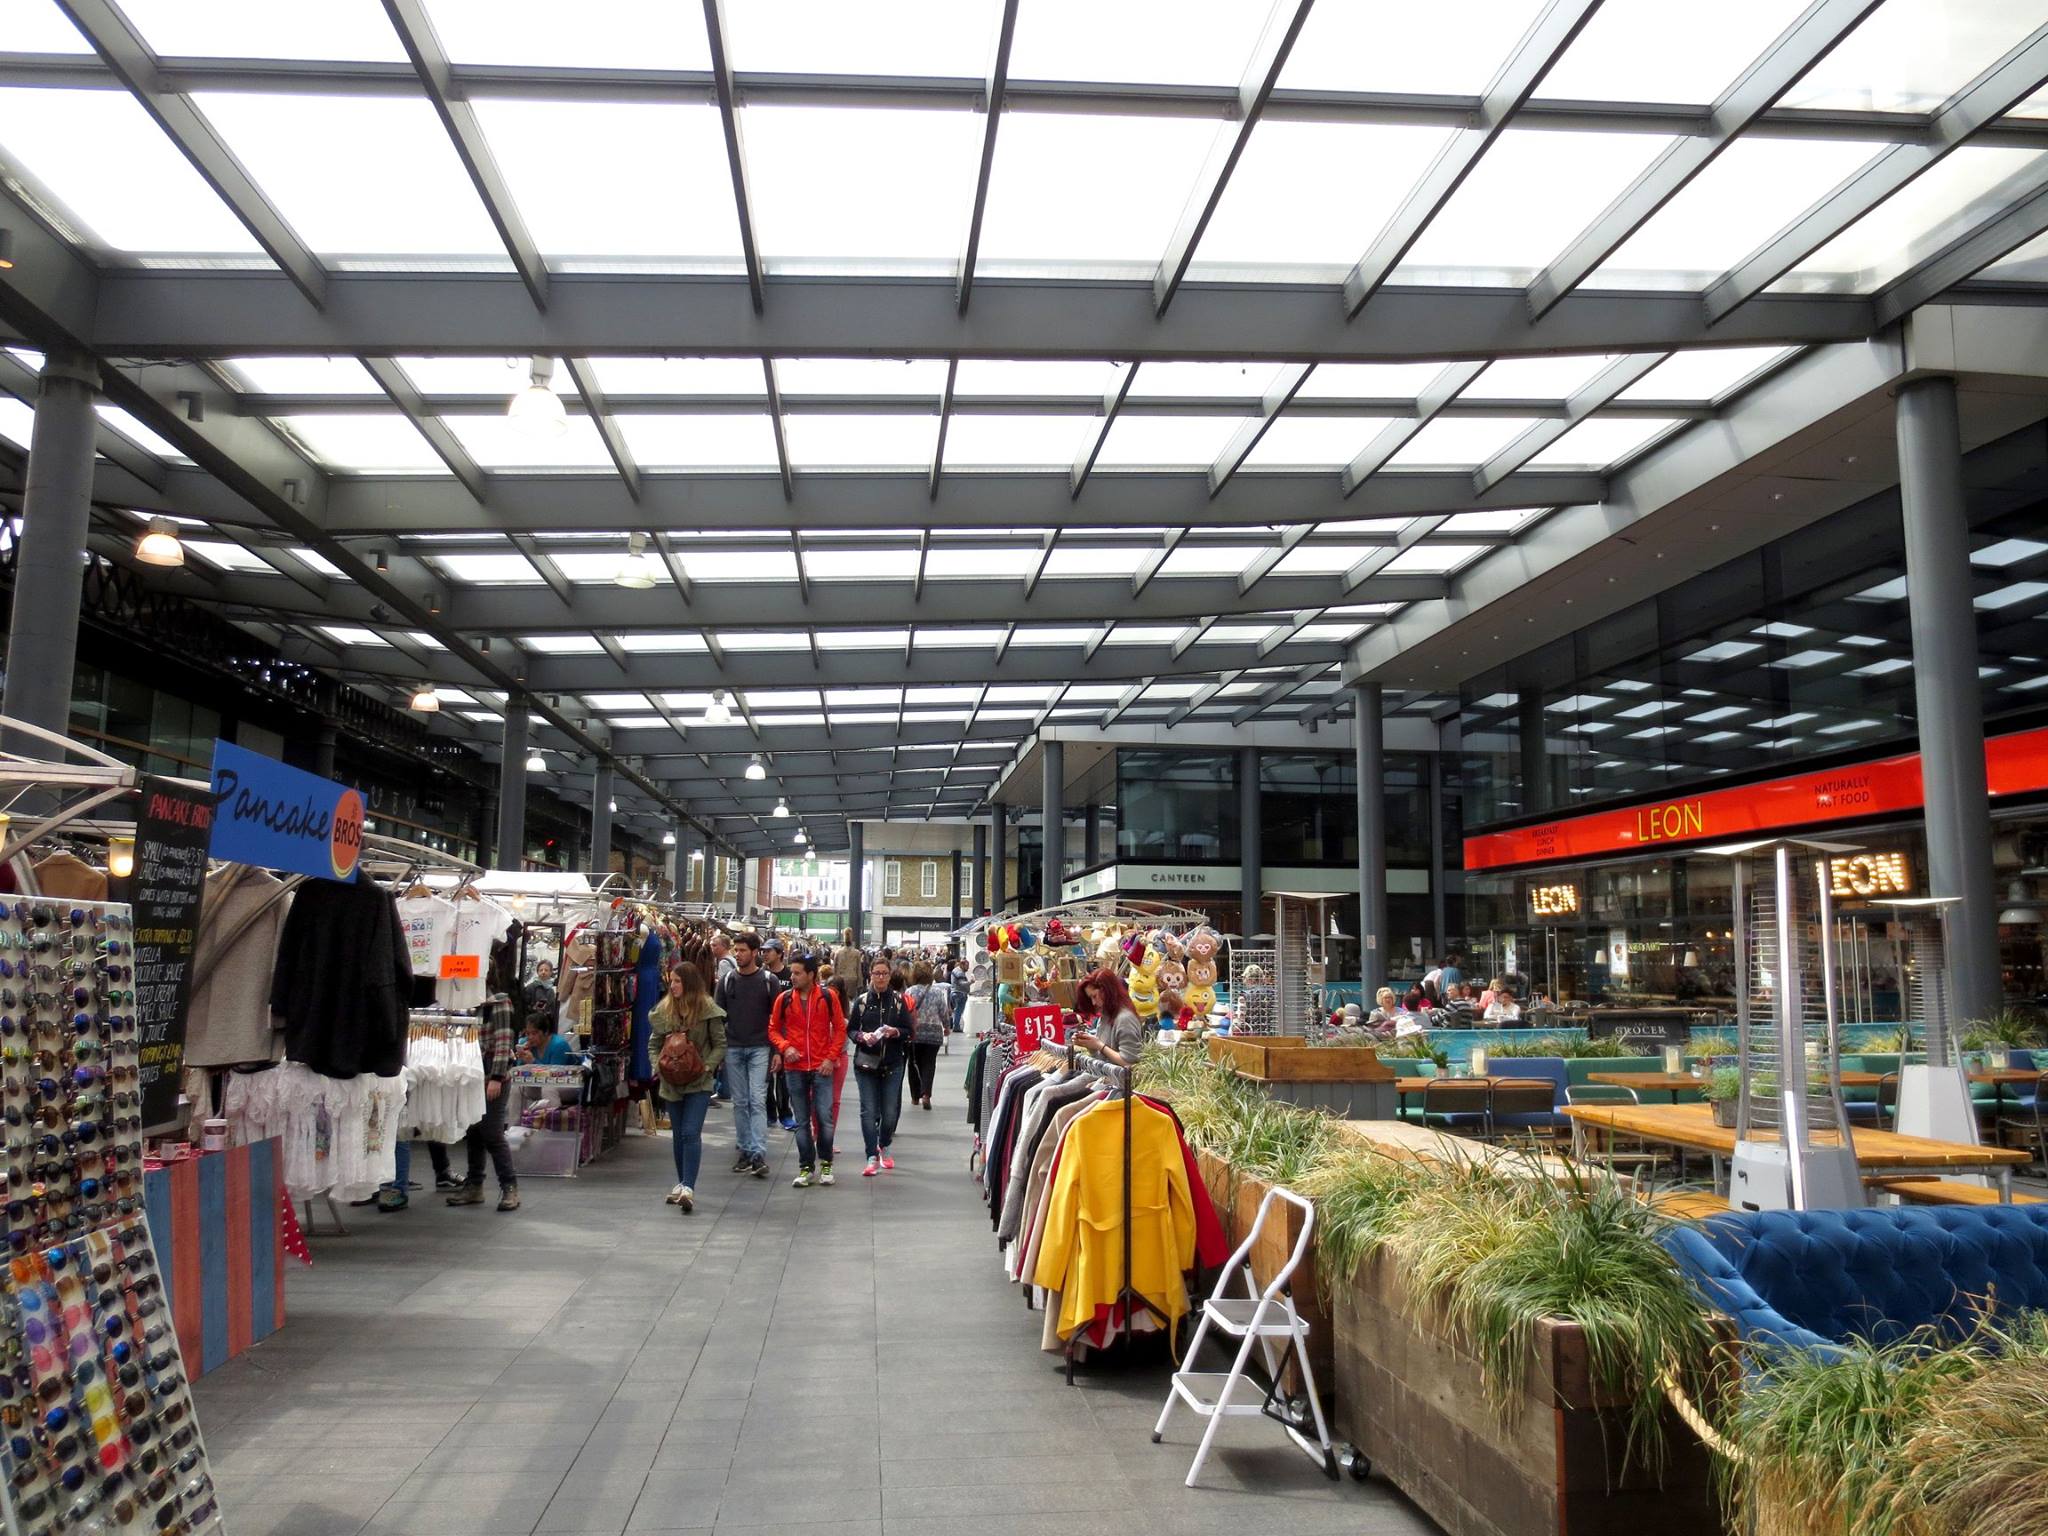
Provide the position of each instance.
(1687, 1204)
(1925, 1191)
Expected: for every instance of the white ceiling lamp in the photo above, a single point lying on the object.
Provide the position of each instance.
(696, 855)
(668, 839)
(718, 712)
(159, 544)
(636, 573)
(801, 839)
(781, 807)
(810, 855)
(612, 806)
(424, 700)
(537, 408)
(535, 763)
(754, 769)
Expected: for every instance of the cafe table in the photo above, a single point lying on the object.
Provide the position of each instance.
(1676, 1083)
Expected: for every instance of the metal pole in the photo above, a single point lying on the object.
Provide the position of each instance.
(324, 742)
(1951, 710)
(856, 855)
(679, 864)
(1053, 818)
(1091, 836)
(1529, 738)
(999, 876)
(1369, 737)
(981, 903)
(601, 817)
(49, 568)
(1438, 875)
(512, 787)
(1250, 843)
(955, 928)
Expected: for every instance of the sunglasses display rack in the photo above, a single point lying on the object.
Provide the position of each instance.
(98, 1433)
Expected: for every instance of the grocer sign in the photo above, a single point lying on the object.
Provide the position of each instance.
(278, 817)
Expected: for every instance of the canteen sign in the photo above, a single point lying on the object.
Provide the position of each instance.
(278, 817)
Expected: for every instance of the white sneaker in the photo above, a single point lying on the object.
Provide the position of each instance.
(688, 1197)
(824, 1173)
(675, 1196)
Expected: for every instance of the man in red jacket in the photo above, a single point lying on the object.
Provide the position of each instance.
(807, 1027)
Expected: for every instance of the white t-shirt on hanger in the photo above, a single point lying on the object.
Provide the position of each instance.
(478, 925)
(429, 930)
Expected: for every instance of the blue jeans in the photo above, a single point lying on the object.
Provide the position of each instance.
(881, 1103)
(686, 1129)
(746, 1071)
(402, 1153)
(810, 1093)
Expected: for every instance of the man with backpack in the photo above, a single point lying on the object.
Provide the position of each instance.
(746, 994)
(808, 1028)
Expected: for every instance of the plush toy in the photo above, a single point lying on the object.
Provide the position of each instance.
(1202, 945)
(1006, 999)
(1172, 976)
(1144, 995)
(1201, 1000)
(1110, 950)
(1171, 944)
(1026, 939)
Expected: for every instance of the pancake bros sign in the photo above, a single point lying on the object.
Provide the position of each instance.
(2016, 764)
(277, 817)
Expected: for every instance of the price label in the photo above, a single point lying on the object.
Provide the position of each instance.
(461, 967)
(1039, 1025)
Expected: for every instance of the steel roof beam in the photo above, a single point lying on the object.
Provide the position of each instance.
(2022, 218)
(598, 409)
(1449, 382)
(726, 94)
(1604, 385)
(1194, 701)
(1112, 402)
(1540, 47)
(440, 437)
(991, 107)
(947, 406)
(1279, 691)
(1823, 24)
(1262, 567)
(1276, 399)
(135, 65)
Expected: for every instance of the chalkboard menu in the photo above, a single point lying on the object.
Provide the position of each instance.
(172, 828)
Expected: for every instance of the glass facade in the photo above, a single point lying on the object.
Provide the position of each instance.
(1176, 806)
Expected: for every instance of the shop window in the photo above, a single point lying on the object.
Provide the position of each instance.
(1177, 807)
(892, 880)
(928, 880)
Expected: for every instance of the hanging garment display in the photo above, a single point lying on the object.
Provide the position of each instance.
(342, 978)
(480, 926)
(429, 923)
(228, 1020)
(444, 1082)
(340, 1135)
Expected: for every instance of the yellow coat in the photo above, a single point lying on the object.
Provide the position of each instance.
(1082, 1255)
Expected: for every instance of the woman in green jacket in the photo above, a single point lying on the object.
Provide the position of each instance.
(687, 1008)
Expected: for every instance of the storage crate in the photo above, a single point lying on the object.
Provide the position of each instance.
(544, 1154)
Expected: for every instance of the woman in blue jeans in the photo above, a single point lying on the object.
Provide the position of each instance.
(688, 1009)
(880, 1027)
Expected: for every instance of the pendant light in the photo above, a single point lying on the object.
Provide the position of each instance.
(537, 408)
(668, 839)
(535, 763)
(719, 712)
(781, 807)
(612, 806)
(754, 769)
(801, 839)
(159, 544)
(636, 571)
(424, 700)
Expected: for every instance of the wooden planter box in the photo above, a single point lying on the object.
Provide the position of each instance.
(1236, 1197)
(1415, 1403)
(1349, 1081)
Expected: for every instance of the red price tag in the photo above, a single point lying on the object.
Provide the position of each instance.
(461, 967)
(1039, 1025)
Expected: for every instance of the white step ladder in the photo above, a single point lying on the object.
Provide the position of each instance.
(1264, 1318)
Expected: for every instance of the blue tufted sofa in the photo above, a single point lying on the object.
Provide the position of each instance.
(1808, 1279)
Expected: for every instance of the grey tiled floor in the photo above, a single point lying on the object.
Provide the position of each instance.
(831, 1362)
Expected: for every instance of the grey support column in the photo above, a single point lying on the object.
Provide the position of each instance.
(980, 903)
(1945, 688)
(1091, 837)
(601, 817)
(49, 571)
(998, 875)
(1369, 734)
(1535, 760)
(325, 740)
(679, 863)
(512, 787)
(956, 890)
(1053, 855)
(1439, 877)
(1250, 837)
(856, 855)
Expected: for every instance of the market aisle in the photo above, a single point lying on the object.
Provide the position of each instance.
(830, 1361)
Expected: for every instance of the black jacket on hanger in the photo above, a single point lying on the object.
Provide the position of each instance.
(343, 979)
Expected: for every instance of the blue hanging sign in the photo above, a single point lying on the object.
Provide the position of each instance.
(278, 817)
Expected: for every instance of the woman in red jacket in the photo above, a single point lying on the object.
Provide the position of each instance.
(807, 1027)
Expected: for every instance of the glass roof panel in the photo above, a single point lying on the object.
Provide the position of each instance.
(1507, 520)
(490, 570)
(1627, 52)
(656, 644)
(1203, 560)
(499, 442)
(1030, 442)
(1072, 560)
(352, 635)
(1433, 559)
(1531, 194)
(1534, 378)
(942, 563)
(1368, 381)
(1912, 55)
(641, 34)
(1602, 441)
(1453, 47)
(264, 29)
(101, 155)
(874, 37)
(381, 440)
(17, 421)
(356, 175)
(562, 645)
(1217, 380)
(1753, 189)
(861, 376)
(1277, 210)
(37, 26)
(741, 565)
(1963, 189)
(846, 184)
(580, 204)
(1704, 375)
(700, 442)
(1148, 42)
(679, 375)
(501, 377)
(860, 564)
(824, 442)
(1069, 188)
(1324, 559)
(144, 437)
(997, 376)
(302, 375)
(1165, 442)
(228, 557)
(1459, 441)
(951, 639)
(2028, 264)
(1313, 442)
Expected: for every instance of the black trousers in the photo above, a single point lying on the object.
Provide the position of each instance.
(924, 1069)
(778, 1097)
(488, 1135)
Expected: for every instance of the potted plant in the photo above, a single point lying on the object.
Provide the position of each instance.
(1721, 1088)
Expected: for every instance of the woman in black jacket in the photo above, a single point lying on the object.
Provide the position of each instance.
(880, 1027)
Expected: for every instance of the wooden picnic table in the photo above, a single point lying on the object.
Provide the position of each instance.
(2001, 1078)
(1691, 1126)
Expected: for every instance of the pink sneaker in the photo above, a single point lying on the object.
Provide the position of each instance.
(888, 1161)
(870, 1171)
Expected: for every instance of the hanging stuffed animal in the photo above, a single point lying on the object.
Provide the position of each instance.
(1144, 981)
(1201, 990)
(1173, 976)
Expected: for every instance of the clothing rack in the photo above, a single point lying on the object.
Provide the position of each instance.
(1119, 1080)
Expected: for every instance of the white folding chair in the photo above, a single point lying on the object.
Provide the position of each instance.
(1261, 1317)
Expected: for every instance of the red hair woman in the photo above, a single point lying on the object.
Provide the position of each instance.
(1115, 1031)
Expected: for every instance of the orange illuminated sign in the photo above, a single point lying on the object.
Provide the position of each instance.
(1553, 901)
(2013, 765)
